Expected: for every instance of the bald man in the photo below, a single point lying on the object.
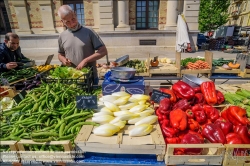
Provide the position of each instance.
(10, 52)
(78, 44)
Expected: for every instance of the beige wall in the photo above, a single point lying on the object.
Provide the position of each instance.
(36, 24)
(242, 18)
(33, 22)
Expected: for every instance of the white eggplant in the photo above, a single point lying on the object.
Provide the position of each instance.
(138, 108)
(134, 120)
(112, 107)
(102, 119)
(140, 130)
(147, 120)
(122, 100)
(127, 106)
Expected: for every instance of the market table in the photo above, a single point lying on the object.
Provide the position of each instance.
(226, 77)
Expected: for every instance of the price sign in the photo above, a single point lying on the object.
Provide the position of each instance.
(19, 97)
(83, 102)
(157, 96)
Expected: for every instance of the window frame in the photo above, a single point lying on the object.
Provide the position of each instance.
(147, 16)
(6, 23)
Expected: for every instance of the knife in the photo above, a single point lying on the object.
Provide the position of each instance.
(72, 65)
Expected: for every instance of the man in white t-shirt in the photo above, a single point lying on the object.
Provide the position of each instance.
(78, 44)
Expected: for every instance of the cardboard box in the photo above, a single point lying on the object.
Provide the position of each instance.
(136, 87)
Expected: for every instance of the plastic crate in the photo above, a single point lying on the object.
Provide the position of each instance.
(84, 82)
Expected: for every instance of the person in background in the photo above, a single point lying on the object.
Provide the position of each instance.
(78, 45)
(10, 53)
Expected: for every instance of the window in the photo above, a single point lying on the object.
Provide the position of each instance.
(78, 7)
(4, 20)
(147, 14)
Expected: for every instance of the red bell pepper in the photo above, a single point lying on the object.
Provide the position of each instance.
(213, 133)
(197, 107)
(197, 89)
(169, 132)
(199, 113)
(199, 98)
(190, 139)
(184, 132)
(196, 133)
(174, 140)
(220, 97)
(182, 104)
(193, 125)
(204, 123)
(183, 90)
(165, 106)
(170, 92)
(209, 92)
(165, 122)
(237, 115)
(211, 112)
(224, 115)
(242, 131)
(225, 126)
(200, 116)
(190, 114)
(178, 119)
(233, 138)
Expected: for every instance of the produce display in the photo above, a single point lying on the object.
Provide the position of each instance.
(198, 65)
(46, 113)
(240, 98)
(185, 61)
(68, 73)
(137, 64)
(28, 84)
(119, 109)
(43, 68)
(14, 75)
(221, 62)
(6, 103)
(189, 117)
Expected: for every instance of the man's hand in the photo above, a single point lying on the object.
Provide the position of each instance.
(11, 65)
(66, 61)
(81, 65)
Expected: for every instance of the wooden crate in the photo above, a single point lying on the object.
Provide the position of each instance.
(46, 156)
(245, 73)
(233, 87)
(164, 68)
(212, 154)
(208, 59)
(7, 91)
(218, 69)
(101, 71)
(12, 155)
(231, 160)
(122, 143)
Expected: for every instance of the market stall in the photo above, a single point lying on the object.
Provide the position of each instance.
(62, 116)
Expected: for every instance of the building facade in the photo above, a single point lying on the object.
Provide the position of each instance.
(124, 25)
(239, 13)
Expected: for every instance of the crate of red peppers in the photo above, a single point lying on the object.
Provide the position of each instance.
(192, 116)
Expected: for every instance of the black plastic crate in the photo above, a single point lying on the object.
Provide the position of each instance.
(84, 82)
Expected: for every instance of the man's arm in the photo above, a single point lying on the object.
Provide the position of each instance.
(102, 51)
(65, 61)
(6, 66)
